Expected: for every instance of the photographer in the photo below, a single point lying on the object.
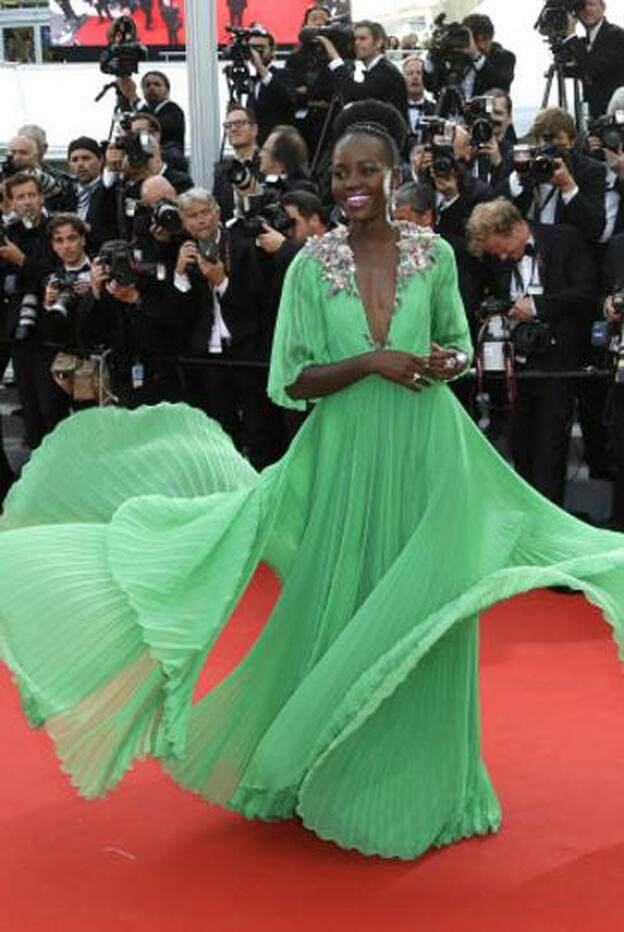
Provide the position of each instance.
(70, 279)
(545, 278)
(241, 130)
(599, 56)
(126, 316)
(272, 94)
(464, 61)
(418, 105)
(554, 182)
(156, 89)
(314, 88)
(221, 294)
(24, 154)
(26, 261)
(382, 80)
(284, 157)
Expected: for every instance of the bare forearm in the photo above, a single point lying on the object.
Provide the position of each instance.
(318, 381)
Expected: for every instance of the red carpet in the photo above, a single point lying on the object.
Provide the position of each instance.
(283, 20)
(152, 857)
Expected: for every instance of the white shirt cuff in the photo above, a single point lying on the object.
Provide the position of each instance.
(181, 283)
(568, 196)
(335, 63)
(223, 287)
(515, 185)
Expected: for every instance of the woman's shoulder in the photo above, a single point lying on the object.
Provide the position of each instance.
(333, 259)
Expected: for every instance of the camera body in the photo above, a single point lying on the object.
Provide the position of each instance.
(122, 56)
(266, 207)
(8, 166)
(479, 120)
(494, 343)
(118, 261)
(431, 128)
(65, 281)
(241, 174)
(138, 146)
(536, 164)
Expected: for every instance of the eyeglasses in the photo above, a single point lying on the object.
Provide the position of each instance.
(235, 124)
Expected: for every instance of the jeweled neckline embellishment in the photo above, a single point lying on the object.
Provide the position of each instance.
(417, 253)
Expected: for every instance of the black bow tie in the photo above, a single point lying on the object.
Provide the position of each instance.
(529, 250)
(416, 106)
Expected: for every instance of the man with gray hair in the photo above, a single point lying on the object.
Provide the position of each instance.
(220, 290)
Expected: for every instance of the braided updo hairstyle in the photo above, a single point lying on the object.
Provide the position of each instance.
(375, 119)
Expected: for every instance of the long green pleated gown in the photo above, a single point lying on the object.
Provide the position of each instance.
(391, 523)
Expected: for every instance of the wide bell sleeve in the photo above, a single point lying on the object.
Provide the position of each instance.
(300, 337)
(449, 323)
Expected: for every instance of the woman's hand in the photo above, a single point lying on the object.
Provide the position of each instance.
(404, 368)
(445, 364)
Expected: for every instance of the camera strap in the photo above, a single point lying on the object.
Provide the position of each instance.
(540, 206)
(522, 287)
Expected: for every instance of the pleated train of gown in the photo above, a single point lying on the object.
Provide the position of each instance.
(391, 523)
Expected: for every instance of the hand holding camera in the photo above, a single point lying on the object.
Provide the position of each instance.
(562, 178)
(271, 240)
(52, 291)
(523, 310)
(187, 257)
(615, 161)
(99, 277)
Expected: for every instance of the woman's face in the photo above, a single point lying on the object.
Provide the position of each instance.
(361, 177)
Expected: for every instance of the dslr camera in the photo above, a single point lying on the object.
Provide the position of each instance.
(552, 23)
(165, 214)
(118, 262)
(609, 130)
(431, 128)
(8, 167)
(479, 120)
(242, 174)
(266, 207)
(122, 56)
(536, 164)
(64, 282)
(138, 145)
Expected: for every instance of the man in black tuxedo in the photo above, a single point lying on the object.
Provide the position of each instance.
(382, 80)
(548, 274)
(222, 303)
(418, 105)
(613, 281)
(241, 130)
(482, 64)
(272, 96)
(599, 56)
(575, 193)
(156, 89)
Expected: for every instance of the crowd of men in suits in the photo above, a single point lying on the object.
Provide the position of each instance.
(160, 290)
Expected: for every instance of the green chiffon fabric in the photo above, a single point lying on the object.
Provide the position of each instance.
(391, 523)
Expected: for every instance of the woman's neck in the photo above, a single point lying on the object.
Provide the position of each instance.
(374, 230)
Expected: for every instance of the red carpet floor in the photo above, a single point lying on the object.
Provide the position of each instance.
(151, 857)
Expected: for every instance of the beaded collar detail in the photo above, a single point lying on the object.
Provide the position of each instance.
(416, 247)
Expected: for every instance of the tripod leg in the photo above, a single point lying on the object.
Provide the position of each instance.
(548, 88)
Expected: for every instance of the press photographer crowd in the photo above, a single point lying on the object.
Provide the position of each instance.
(122, 282)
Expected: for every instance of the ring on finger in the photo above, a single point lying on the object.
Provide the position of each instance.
(417, 379)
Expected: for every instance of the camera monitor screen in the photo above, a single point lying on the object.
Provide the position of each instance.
(76, 23)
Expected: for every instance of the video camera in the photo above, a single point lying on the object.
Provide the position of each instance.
(479, 120)
(122, 56)
(338, 31)
(449, 42)
(238, 52)
(552, 23)
(609, 129)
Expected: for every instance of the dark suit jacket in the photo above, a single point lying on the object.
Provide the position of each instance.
(383, 82)
(569, 279)
(274, 103)
(613, 271)
(586, 211)
(602, 67)
(172, 122)
(497, 71)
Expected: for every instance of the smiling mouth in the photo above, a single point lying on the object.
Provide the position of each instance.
(358, 200)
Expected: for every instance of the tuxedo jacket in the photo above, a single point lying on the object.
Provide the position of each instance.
(613, 271)
(569, 279)
(383, 82)
(601, 67)
(273, 103)
(172, 122)
(497, 71)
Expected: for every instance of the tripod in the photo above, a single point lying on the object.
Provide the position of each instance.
(559, 72)
(120, 108)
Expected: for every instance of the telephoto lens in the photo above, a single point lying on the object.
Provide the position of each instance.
(27, 320)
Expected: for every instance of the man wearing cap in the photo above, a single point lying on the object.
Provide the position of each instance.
(85, 160)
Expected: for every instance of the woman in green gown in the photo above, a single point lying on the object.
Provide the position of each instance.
(391, 522)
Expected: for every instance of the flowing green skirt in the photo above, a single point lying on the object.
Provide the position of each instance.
(391, 524)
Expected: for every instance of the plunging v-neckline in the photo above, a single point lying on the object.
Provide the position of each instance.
(370, 335)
